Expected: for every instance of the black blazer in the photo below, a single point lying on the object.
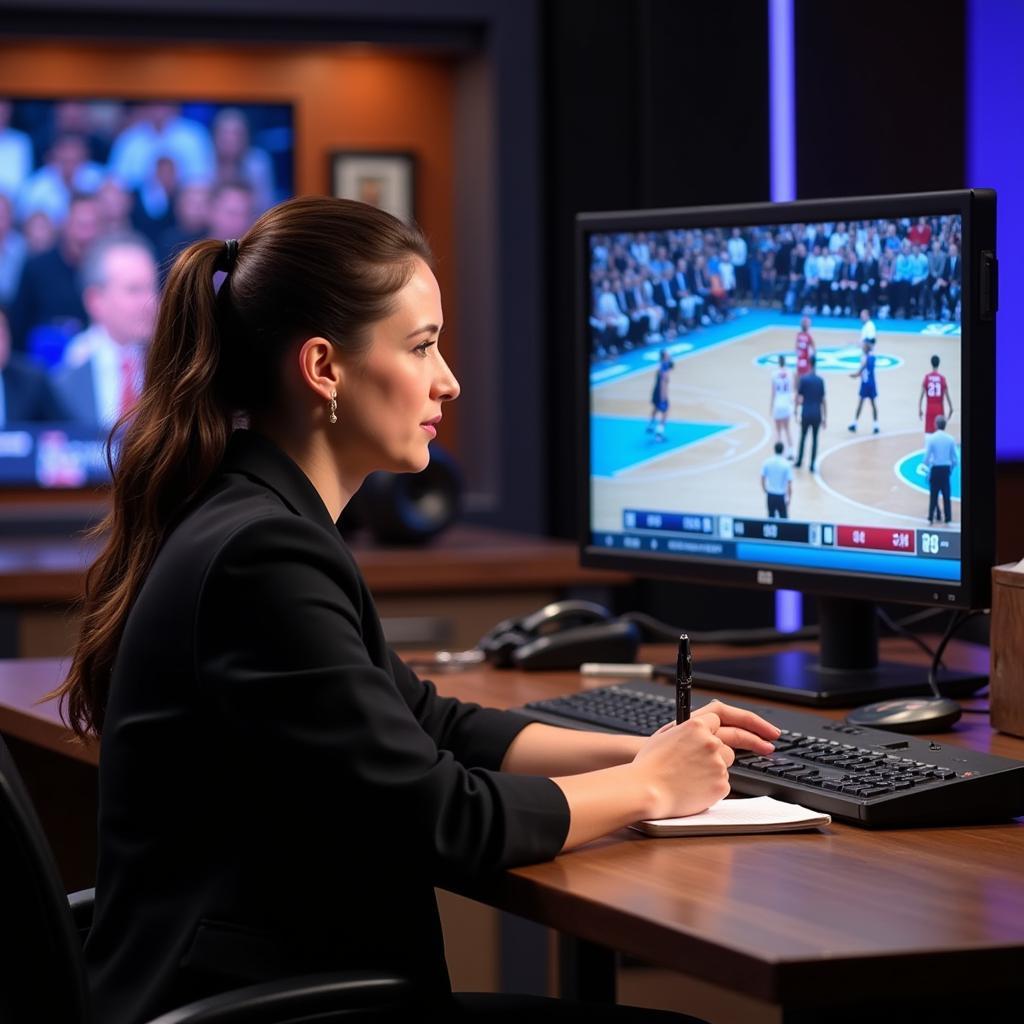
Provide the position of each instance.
(279, 793)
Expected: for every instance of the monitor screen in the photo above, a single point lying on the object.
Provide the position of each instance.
(97, 198)
(792, 395)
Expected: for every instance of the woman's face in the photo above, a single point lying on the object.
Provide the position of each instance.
(390, 399)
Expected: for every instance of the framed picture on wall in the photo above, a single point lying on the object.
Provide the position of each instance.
(386, 180)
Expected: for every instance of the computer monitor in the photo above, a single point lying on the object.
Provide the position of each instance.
(800, 396)
(97, 197)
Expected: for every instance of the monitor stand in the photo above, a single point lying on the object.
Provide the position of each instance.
(844, 672)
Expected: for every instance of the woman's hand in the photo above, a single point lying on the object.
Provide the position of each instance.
(741, 729)
(680, 770)
(684, 768)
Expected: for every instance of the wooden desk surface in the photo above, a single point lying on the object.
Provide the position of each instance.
(796, 919)
(464, 558)
(792, 919)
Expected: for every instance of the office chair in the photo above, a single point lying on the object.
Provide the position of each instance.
(42, 973)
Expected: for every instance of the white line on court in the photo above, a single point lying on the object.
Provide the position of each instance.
(924, 476)
(873, 509)
(696, 470)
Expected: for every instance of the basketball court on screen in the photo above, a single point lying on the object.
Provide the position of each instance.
(720, 430)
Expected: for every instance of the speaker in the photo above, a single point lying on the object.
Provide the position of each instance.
(407, 508)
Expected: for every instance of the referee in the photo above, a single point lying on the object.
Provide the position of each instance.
(940, 458)
(812, 409)
(777, 481)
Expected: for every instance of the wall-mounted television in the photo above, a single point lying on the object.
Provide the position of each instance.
(97, 198)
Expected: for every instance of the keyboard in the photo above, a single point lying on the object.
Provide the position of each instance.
(863, 776)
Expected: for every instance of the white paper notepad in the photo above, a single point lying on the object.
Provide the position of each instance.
(736, 817)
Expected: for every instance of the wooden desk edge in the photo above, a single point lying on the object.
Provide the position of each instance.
(45, 733)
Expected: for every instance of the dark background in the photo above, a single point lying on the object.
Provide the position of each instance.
(611, 104)
(657, 103)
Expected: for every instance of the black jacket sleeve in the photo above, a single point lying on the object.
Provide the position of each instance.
(478, 737)
(281, 654)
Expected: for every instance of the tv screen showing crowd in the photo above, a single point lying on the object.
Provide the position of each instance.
(97, 198)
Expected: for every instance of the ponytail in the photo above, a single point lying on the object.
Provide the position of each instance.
(172, 441)
(310, 266)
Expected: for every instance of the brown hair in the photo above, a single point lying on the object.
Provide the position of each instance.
(311, 266)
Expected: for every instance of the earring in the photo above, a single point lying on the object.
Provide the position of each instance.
(332, 409)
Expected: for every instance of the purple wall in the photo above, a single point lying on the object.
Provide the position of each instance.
(995, 159)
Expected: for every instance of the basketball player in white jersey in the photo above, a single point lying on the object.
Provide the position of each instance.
(782, 405)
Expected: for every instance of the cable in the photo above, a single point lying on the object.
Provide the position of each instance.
(956, 620)
(654, 630)
(900, 629)
(915, 617)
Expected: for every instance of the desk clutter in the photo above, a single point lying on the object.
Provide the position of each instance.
(863, 776)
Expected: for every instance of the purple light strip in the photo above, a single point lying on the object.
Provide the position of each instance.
(789, 604)
(782, 100)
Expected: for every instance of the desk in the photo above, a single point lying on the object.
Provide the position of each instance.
(476, 575)
(826, 927)
(800, 921)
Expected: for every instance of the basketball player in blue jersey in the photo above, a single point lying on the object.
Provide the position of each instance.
(659, 397)
(868, 387)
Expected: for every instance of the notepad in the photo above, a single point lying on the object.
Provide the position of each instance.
(737, 816)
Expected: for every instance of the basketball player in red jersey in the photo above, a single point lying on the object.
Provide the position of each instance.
(935, 389)
(804, 350)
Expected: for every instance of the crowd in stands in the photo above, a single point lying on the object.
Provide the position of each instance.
(653, 286)
(96, 200)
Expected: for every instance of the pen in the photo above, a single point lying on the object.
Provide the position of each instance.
(684, 680)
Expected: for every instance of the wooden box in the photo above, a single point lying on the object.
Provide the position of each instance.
(1006, 687)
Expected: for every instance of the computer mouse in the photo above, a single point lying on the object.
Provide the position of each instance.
(909, 714)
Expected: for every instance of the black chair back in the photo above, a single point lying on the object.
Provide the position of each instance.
(42, 975)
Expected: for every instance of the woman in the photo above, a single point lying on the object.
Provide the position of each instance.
(278, 792)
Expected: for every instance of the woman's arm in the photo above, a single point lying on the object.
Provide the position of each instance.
(610, 780)
(554, 751)
(551, 750)
(681, 769)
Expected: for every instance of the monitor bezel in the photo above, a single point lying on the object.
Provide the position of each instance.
(976, 208)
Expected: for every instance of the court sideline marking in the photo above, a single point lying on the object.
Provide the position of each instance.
(842, 497)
